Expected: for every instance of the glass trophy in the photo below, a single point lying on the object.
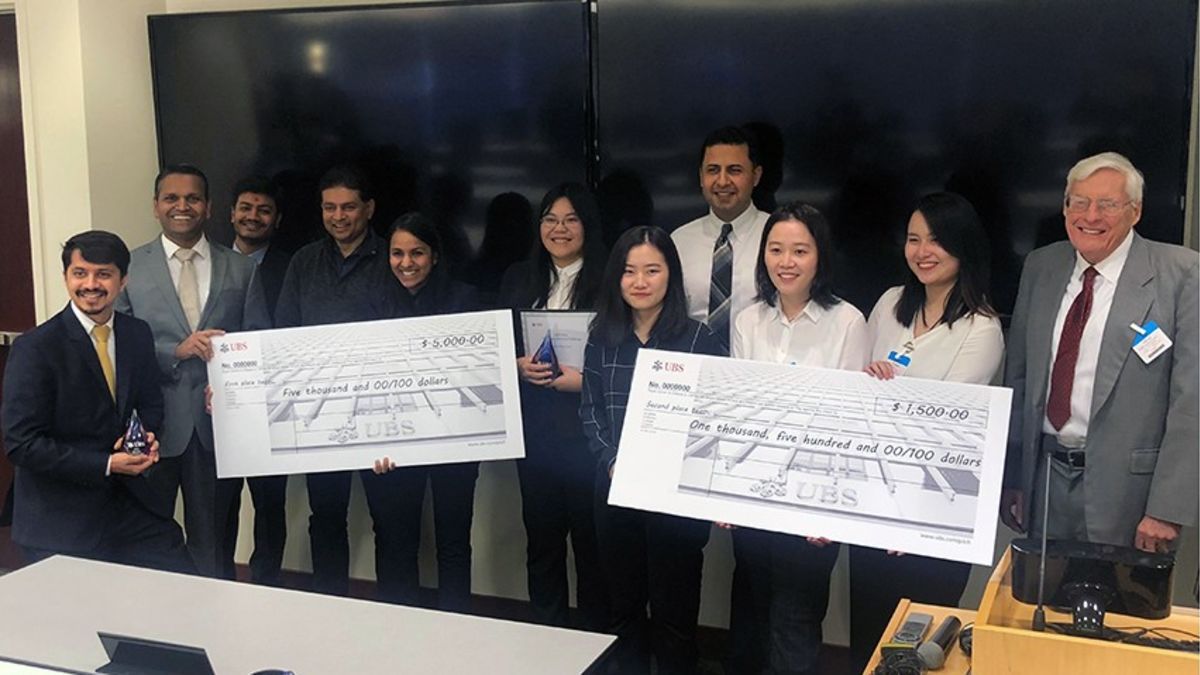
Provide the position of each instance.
(545, 354)
(136, 442)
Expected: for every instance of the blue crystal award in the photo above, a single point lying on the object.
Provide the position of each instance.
(545, 354)
(136, 442)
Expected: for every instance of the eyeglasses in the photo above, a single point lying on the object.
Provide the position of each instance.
(553, 221)
(1106, 207)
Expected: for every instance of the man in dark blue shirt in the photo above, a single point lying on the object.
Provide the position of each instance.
(338, 280)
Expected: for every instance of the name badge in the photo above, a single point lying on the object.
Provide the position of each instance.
(1150, 342)
(901, 360)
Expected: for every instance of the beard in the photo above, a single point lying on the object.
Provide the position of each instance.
(256, 237)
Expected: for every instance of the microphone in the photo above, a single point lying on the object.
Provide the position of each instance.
(1039, 613)
(932, 652)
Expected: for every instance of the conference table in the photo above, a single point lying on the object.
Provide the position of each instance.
(50, 613)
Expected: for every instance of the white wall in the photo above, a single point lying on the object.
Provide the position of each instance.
(55, 137)
(122, 148)
(91, 158)
(88, 111)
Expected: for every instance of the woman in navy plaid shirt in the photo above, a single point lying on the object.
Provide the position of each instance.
(648, 557)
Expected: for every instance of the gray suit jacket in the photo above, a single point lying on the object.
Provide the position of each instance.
(235, 303)
(1142, 456)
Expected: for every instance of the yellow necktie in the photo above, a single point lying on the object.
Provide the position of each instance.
(110, 376)
(189, 286)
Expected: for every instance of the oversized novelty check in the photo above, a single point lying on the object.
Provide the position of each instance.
(908, 464)
(426, 390)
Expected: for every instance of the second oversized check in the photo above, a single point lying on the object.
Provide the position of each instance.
(426, 390)
(907, 464)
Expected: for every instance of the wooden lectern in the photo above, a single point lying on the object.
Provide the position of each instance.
(1006, 643)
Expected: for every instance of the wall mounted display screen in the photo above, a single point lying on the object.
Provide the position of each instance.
(446, 105)
(862, 107)
(877, 103)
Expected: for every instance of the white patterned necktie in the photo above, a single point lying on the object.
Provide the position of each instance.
(721, 287)
(189, 286)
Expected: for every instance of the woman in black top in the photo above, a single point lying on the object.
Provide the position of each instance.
(648, 557)
(557, 478)
(424, 287)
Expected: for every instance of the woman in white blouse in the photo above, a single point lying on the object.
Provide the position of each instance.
(797, 320)
(559, 472)
(939, 325)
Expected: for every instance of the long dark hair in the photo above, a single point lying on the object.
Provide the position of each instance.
(955, 225)
(614, 319)
(421, 227)
(821, 290)
(583, 294)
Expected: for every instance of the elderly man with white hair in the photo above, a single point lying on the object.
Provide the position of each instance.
(1103, 365)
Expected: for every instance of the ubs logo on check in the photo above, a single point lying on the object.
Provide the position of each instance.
(669, 366)
(374, 429)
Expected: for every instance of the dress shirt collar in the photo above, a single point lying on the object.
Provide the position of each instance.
(201, 247)
(741, 225)
(813, 311)
(1109, 268)
(562, 284)
(256, 256)
(570, 270)
(87, 322)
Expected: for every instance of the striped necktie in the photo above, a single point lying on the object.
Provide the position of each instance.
(721, 287)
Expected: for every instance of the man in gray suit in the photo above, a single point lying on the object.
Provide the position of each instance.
(190, 289)
(1095, 383)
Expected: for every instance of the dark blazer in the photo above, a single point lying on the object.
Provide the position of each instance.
(271, 272)
(1141, 441)
(548, 413)
(60, 424)
(516, 287)
(518, 291)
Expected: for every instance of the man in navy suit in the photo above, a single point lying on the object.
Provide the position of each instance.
(70, 387)
(256, 217)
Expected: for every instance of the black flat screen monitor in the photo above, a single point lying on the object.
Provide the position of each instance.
(861, 108)
(1134, 582)
(865, 106)
(447, 105)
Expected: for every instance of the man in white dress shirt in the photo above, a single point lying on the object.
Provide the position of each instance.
(728, 234)
(718, 254)
(1095, 383)
(190, 289)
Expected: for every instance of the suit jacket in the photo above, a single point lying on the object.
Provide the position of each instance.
(551, 417)
(60, 423)
(271, 271)
(1141, 446)
(235, 303)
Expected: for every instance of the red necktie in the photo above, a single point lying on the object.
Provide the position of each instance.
(1062, 377)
